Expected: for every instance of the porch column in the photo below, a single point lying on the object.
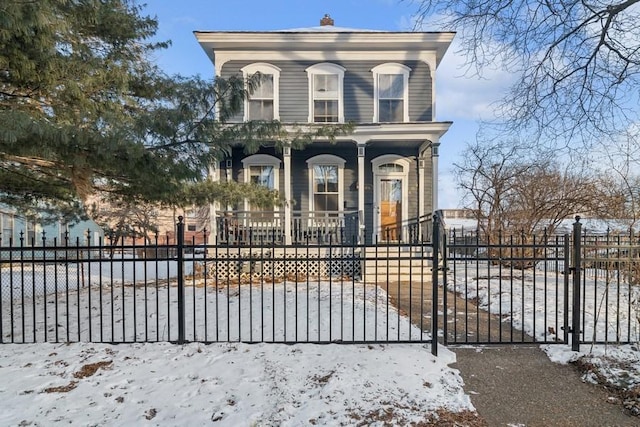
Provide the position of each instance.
(422, 163)
(286, 157)
(434, 159)
(361, 152)
(214, 175)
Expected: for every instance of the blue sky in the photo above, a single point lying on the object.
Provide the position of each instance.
(459, 99)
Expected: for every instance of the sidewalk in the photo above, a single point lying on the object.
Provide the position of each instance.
(520, 386)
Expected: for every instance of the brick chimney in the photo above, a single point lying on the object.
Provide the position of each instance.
(326, 20)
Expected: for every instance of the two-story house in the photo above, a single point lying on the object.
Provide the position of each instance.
(373, 184)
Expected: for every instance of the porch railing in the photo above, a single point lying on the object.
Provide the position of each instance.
(250, 227)
(323, 227)
(413, 230)
(267, 227)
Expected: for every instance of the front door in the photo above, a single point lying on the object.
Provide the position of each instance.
(390, 209)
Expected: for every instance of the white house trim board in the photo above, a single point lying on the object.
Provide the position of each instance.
(221, 45)
(267, 69)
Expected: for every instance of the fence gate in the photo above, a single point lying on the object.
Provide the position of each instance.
(506, 290)
(533, 289)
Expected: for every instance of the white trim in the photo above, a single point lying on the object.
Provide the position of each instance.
(261, 160)
(221, 46)
(379, 175)
(264, 68)
(326, 159)
(326, 68)
(391, 68)
(286, 159)
(214, 207)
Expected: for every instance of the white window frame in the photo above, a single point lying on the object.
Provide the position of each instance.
(390, 68)
(63, 230)
(329, 160)
(264, 68)
(261, 160)
(326, 68)
(6, 218)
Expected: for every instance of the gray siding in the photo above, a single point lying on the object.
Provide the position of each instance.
(358, 89)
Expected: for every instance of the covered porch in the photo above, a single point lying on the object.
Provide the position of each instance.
(259, 228)
(377, 185)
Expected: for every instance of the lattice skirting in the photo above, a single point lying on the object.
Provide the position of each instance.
(277, 265)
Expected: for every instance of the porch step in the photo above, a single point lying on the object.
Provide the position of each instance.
(397, 263)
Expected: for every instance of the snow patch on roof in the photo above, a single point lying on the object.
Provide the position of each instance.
(327, 29)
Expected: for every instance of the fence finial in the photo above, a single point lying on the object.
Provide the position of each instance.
(577, 218)
(180, 218)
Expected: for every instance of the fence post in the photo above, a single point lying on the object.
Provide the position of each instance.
(434, 286)
(180, 259)
(577, 269)
(567, 272)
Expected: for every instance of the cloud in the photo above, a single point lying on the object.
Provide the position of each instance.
(461, 94)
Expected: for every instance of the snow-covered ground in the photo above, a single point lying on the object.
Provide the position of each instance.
(533, 300)
(271, 384)
(611, 313)
(312, 311)
(231, 384)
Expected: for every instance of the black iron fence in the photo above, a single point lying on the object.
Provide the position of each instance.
(534, 288)
(161, 290)
(515, 289)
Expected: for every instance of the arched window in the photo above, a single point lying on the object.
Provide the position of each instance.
(326, 88)
(264, 102)
(326, 178)
(261, 169)
(391, 93)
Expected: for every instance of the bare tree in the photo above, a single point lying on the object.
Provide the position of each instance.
(578, 61)
(511, 189)
(619, 164)
(123, 219)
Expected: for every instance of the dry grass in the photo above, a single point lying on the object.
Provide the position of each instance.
(91, 368)
(388, 417)
(63, 388)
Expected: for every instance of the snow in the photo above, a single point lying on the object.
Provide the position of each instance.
(313, 311)
(273, 384)
(232, 383)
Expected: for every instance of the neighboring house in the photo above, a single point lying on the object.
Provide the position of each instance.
(372, 185)
(15, 227)
(461, 220)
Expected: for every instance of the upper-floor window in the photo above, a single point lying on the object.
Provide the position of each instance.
(326, 104)
(263, 103)
(391, 93)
